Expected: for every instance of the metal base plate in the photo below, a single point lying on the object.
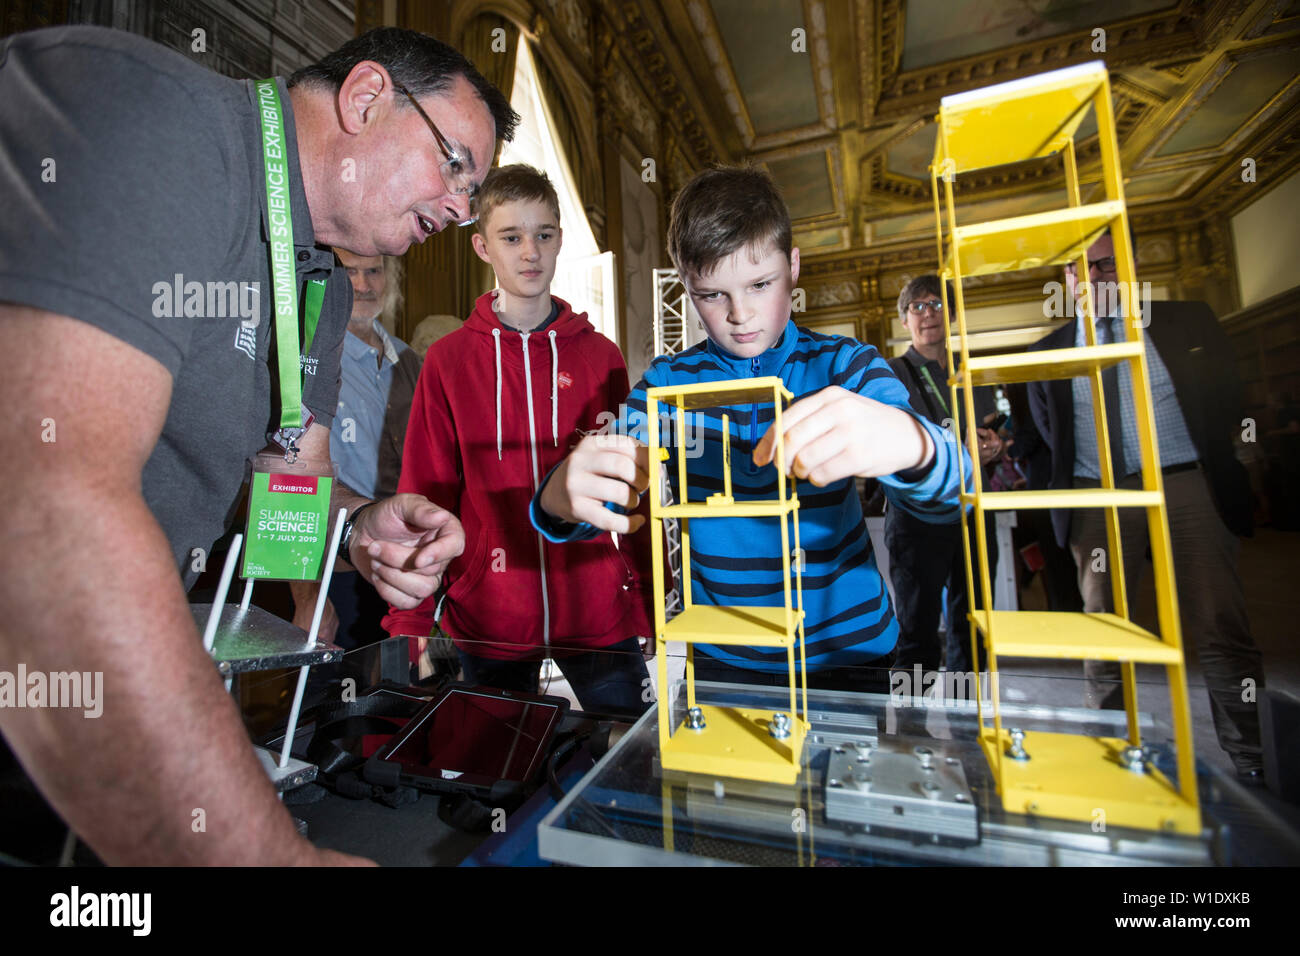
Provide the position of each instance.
(735, 743)
(256, 640)
(902, 785)
(1074, 777)
(294, 774)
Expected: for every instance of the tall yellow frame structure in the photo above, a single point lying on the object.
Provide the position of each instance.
(730, 741)
(1052, 774)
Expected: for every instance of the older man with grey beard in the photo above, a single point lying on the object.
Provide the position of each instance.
(379, 372)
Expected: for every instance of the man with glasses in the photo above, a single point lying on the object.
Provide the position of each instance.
(1197, 401)
(924, 557)
(145, 199)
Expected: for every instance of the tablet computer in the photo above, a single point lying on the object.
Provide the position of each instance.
(471, 739)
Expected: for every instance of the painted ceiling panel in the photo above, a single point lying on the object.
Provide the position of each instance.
(1159, 184)
(776, 82)
(937, 31)
(814, 239)
(911, 156)
(805, 183)
(1248, 87)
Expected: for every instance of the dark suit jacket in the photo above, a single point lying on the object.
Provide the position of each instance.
(1203, 367)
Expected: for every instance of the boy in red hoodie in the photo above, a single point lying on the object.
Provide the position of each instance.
(499, 403)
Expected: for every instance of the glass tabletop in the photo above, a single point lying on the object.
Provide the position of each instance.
(628, 810)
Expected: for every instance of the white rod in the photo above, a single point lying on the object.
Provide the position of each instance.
(248, 595)
(232, 558)
(311, 636)
(293, 716)
(323, 594)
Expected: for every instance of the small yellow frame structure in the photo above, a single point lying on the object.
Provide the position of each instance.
(1065, 775)
(728, 741)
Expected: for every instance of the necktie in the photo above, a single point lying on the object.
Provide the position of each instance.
(1110, 388)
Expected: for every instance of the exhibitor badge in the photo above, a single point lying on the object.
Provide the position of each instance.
(286, 526)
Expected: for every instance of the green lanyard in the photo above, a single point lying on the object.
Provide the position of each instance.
(935, 391)
(275, 165)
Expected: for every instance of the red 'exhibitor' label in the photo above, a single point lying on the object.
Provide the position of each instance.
(292, 484)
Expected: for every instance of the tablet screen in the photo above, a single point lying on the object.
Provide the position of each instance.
(478, 734)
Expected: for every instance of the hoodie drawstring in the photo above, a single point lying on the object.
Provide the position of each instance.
(555, 382)
(496, 339)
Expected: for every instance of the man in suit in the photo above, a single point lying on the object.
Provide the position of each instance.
(1197, 402)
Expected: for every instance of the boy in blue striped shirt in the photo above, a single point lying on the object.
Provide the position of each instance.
(730, 238)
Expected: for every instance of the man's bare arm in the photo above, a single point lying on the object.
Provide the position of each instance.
(88, 583)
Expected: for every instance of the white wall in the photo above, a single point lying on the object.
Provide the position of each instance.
(1266, 235)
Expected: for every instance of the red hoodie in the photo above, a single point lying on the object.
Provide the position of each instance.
(494, 412)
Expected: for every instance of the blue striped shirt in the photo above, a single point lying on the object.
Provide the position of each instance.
(737, 561)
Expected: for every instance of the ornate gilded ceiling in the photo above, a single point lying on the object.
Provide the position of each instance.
(837, 97)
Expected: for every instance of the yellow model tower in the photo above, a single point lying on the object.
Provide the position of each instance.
(1062, 775)
(729, 741)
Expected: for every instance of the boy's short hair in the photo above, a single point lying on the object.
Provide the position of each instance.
(724, 209)
(928, 284)
(516, 183)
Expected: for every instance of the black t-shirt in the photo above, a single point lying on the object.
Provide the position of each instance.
(134, 199)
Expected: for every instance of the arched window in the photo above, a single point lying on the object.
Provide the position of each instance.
(584, 276)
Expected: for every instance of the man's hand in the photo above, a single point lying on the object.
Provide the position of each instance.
(403, 545)
(837, 434)
(304, 608)
(602, 468)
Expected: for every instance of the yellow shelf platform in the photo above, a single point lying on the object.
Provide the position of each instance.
(722, 624)
(1073, 777)
(743, 509)
(1051, 364)
(1027, 242)
(735, 743)
(1015, 121)
(1066, 498)
(756, 391)
(1062, 635)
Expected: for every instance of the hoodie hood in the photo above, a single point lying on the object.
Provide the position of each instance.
(485, 320)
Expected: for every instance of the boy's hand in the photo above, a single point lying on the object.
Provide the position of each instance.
(602, 468)
(838, 434)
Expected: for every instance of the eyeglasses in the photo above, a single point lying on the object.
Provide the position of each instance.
(916, 308)
(1104, 264)
(454, 170)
